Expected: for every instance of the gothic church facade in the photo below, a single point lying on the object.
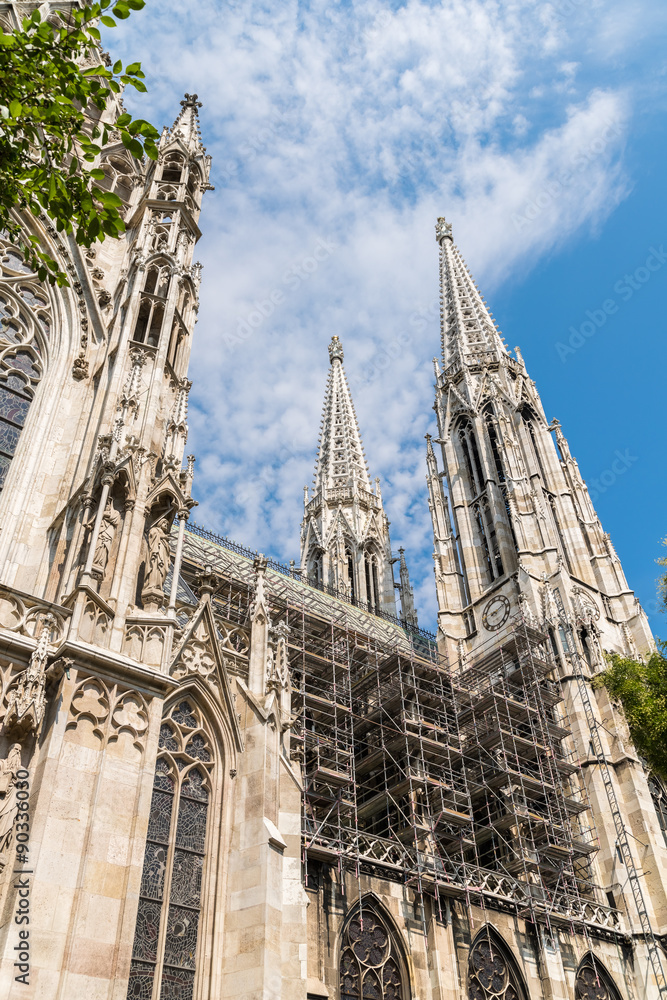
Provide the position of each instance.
(224, 778)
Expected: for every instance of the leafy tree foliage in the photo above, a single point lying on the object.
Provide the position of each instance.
(53, 86)
(642, 690)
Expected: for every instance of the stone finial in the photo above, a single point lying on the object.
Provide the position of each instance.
(443, 229)
(335, 350)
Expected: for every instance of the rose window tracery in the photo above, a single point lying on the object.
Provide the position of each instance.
(490, 975)
(369, 966)
(25, 326)
(165, 942)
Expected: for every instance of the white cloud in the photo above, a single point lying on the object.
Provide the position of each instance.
(356, 124)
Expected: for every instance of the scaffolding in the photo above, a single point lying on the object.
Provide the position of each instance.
(460, 784)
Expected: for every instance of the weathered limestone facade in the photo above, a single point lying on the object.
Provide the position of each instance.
(224, 778)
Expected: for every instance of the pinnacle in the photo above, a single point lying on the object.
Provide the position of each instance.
(340, 459)
(187, 122)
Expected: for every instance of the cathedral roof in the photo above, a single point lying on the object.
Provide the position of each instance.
(341, 462)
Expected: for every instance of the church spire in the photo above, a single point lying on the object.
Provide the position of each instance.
(345, 532)
(468, 331)
(340, 459)
(186, 127)
(514, 527)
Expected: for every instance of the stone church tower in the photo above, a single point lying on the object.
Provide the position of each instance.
(345, 532)
(223, 778)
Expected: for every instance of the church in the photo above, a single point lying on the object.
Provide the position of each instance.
(223, 778)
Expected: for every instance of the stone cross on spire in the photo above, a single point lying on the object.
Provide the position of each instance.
(468, 331)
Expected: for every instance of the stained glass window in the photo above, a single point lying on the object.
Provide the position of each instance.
(22, 347)
(165, 941)
(593, 981)
(490, 972)
(369, 964)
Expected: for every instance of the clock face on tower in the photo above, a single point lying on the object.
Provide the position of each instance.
(496, 613)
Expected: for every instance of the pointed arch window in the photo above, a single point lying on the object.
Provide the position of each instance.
(370, 964)
(372, 580)
(316, 570)
(349, 558)
(593, 982)
(492, 974)
(173, 168)
(492, 431)
(659, 796)
(165, 941)
(471, 458)
(148, 326)
(25, 326)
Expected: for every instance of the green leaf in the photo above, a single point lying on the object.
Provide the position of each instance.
(15, 108)
(117, 67)
(123, 120)
(134, 147)
(108, 21)
(133, 68)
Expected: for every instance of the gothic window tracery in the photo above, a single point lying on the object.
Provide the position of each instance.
(491, 972)
(471, 458)
(165, 941)
(148, 326)
(25, 325)
(492, 431)
(118, 177)
(173, 168)
(371, 574)
(593, 982)
(316, 573)
(659, 797)
(370, 965)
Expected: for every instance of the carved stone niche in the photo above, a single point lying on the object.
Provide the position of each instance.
(157, 555)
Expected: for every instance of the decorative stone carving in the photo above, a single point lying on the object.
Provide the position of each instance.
(24, 615)
(157, 563)
(80, 368)
(27, 701)
(277, 669)
(8, 768)
(196, 656)
(102, 715)
(145, 642)
(95, 623)
(108, 526)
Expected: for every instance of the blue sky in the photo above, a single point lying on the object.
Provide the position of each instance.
(537, 129)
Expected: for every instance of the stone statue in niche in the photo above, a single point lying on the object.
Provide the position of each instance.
(8, 768)
(108, 526)
(157, 563)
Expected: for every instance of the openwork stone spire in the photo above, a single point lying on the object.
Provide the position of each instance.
(468, 332)
(340, 460)
(514, 527)
(345, 532)
(186, 127)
